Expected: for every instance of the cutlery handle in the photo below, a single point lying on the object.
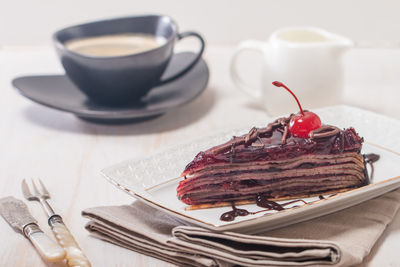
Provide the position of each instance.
(74, 255)
(47, 248)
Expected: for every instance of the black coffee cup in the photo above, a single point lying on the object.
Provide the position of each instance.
(117, 80)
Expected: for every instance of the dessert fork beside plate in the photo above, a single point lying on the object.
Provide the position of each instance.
(74, 254)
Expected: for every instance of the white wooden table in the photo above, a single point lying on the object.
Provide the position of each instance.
(67, 153)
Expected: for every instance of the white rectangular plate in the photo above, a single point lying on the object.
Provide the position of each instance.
(154, 179)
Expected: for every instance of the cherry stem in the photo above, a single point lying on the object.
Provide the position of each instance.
(279, 84)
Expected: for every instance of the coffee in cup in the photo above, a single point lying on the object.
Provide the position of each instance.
(115, 45)
(118, 61)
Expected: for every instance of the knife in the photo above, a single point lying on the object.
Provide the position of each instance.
(16, 213)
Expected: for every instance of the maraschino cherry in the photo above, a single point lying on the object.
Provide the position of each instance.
(302, 123)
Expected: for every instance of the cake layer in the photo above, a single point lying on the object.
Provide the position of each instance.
(301, 162)
(291, 186)
(249, 185)
(227, 179)
(292, 192)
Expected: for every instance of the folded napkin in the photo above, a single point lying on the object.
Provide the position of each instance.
(342, 238)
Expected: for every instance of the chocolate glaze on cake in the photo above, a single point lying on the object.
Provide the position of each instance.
(272, 162)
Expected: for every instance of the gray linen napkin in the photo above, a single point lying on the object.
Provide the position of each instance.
(342, 238)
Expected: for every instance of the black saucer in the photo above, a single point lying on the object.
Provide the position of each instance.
(57, 91)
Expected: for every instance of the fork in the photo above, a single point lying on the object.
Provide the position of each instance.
(74, 255)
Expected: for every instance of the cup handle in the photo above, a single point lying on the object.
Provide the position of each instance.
(194, 61)
(258, 46)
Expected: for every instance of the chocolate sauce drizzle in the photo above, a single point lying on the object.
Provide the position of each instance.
(253, 135)
(371, 158)
(341, 138)
(257, 133)
(262, 202)
(284, 135)
(324, 131)
(232, 154)
(235, 212)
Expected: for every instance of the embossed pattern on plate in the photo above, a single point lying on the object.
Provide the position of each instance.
(154, 179)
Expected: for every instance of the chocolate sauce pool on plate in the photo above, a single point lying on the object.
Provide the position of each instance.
(261, 201)
(231, 215)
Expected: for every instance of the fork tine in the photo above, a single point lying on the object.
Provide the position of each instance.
(25, 189)
(44, 189)
(35, 189)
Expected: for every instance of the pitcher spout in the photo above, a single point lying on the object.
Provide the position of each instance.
(341, 43)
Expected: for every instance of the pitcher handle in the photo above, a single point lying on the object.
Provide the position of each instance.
(252, 90)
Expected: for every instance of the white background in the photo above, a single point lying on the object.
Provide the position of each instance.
(31, 22)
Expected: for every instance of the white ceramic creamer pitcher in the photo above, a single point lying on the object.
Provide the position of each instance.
(307, 60)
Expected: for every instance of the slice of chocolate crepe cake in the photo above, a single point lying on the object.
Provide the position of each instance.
(275, 163)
